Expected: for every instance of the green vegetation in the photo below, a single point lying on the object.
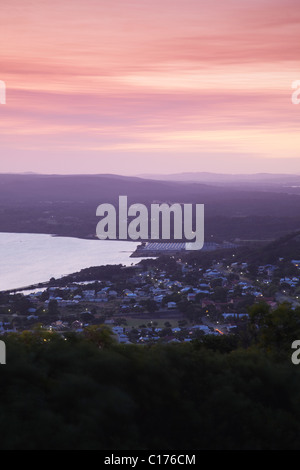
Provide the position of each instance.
(85, 391)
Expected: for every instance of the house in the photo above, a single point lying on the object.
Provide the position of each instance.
(191, 297)
(203, 328)
(172, 305)
(296, 262)
(118, 330)
(113, 293)
(88, 294)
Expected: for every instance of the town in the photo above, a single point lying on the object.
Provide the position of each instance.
(171, 298)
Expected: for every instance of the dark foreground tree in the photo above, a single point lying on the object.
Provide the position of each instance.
(64, 392)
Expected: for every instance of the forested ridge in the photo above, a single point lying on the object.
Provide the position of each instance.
(66, 205)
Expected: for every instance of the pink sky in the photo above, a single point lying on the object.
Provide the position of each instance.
(138, 86)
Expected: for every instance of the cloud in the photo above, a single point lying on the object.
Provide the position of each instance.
(160, 77)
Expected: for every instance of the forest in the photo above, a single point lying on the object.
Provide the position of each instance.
(84, 391)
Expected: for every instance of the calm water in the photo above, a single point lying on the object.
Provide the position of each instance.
(32, 258)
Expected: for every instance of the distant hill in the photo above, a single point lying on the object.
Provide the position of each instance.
(66, 205)
(264, 181)
(287, 247)
(220, 200)
(209, 177)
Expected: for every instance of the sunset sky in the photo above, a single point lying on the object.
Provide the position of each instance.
(140, 86)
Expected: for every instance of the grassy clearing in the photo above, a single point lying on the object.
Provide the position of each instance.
(136, 322)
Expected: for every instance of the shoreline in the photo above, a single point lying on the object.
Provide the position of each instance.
(11, 266)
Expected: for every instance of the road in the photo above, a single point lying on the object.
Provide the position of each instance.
(216, 326)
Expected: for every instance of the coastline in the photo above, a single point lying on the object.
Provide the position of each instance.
(39, 257)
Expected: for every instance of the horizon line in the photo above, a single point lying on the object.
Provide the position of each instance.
(143, 175)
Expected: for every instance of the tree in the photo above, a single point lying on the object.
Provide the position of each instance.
(277, 329)
(87, 317)
(22, 305)
(101, 335)
(220, 294)
(53, 307)
(150, 305)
